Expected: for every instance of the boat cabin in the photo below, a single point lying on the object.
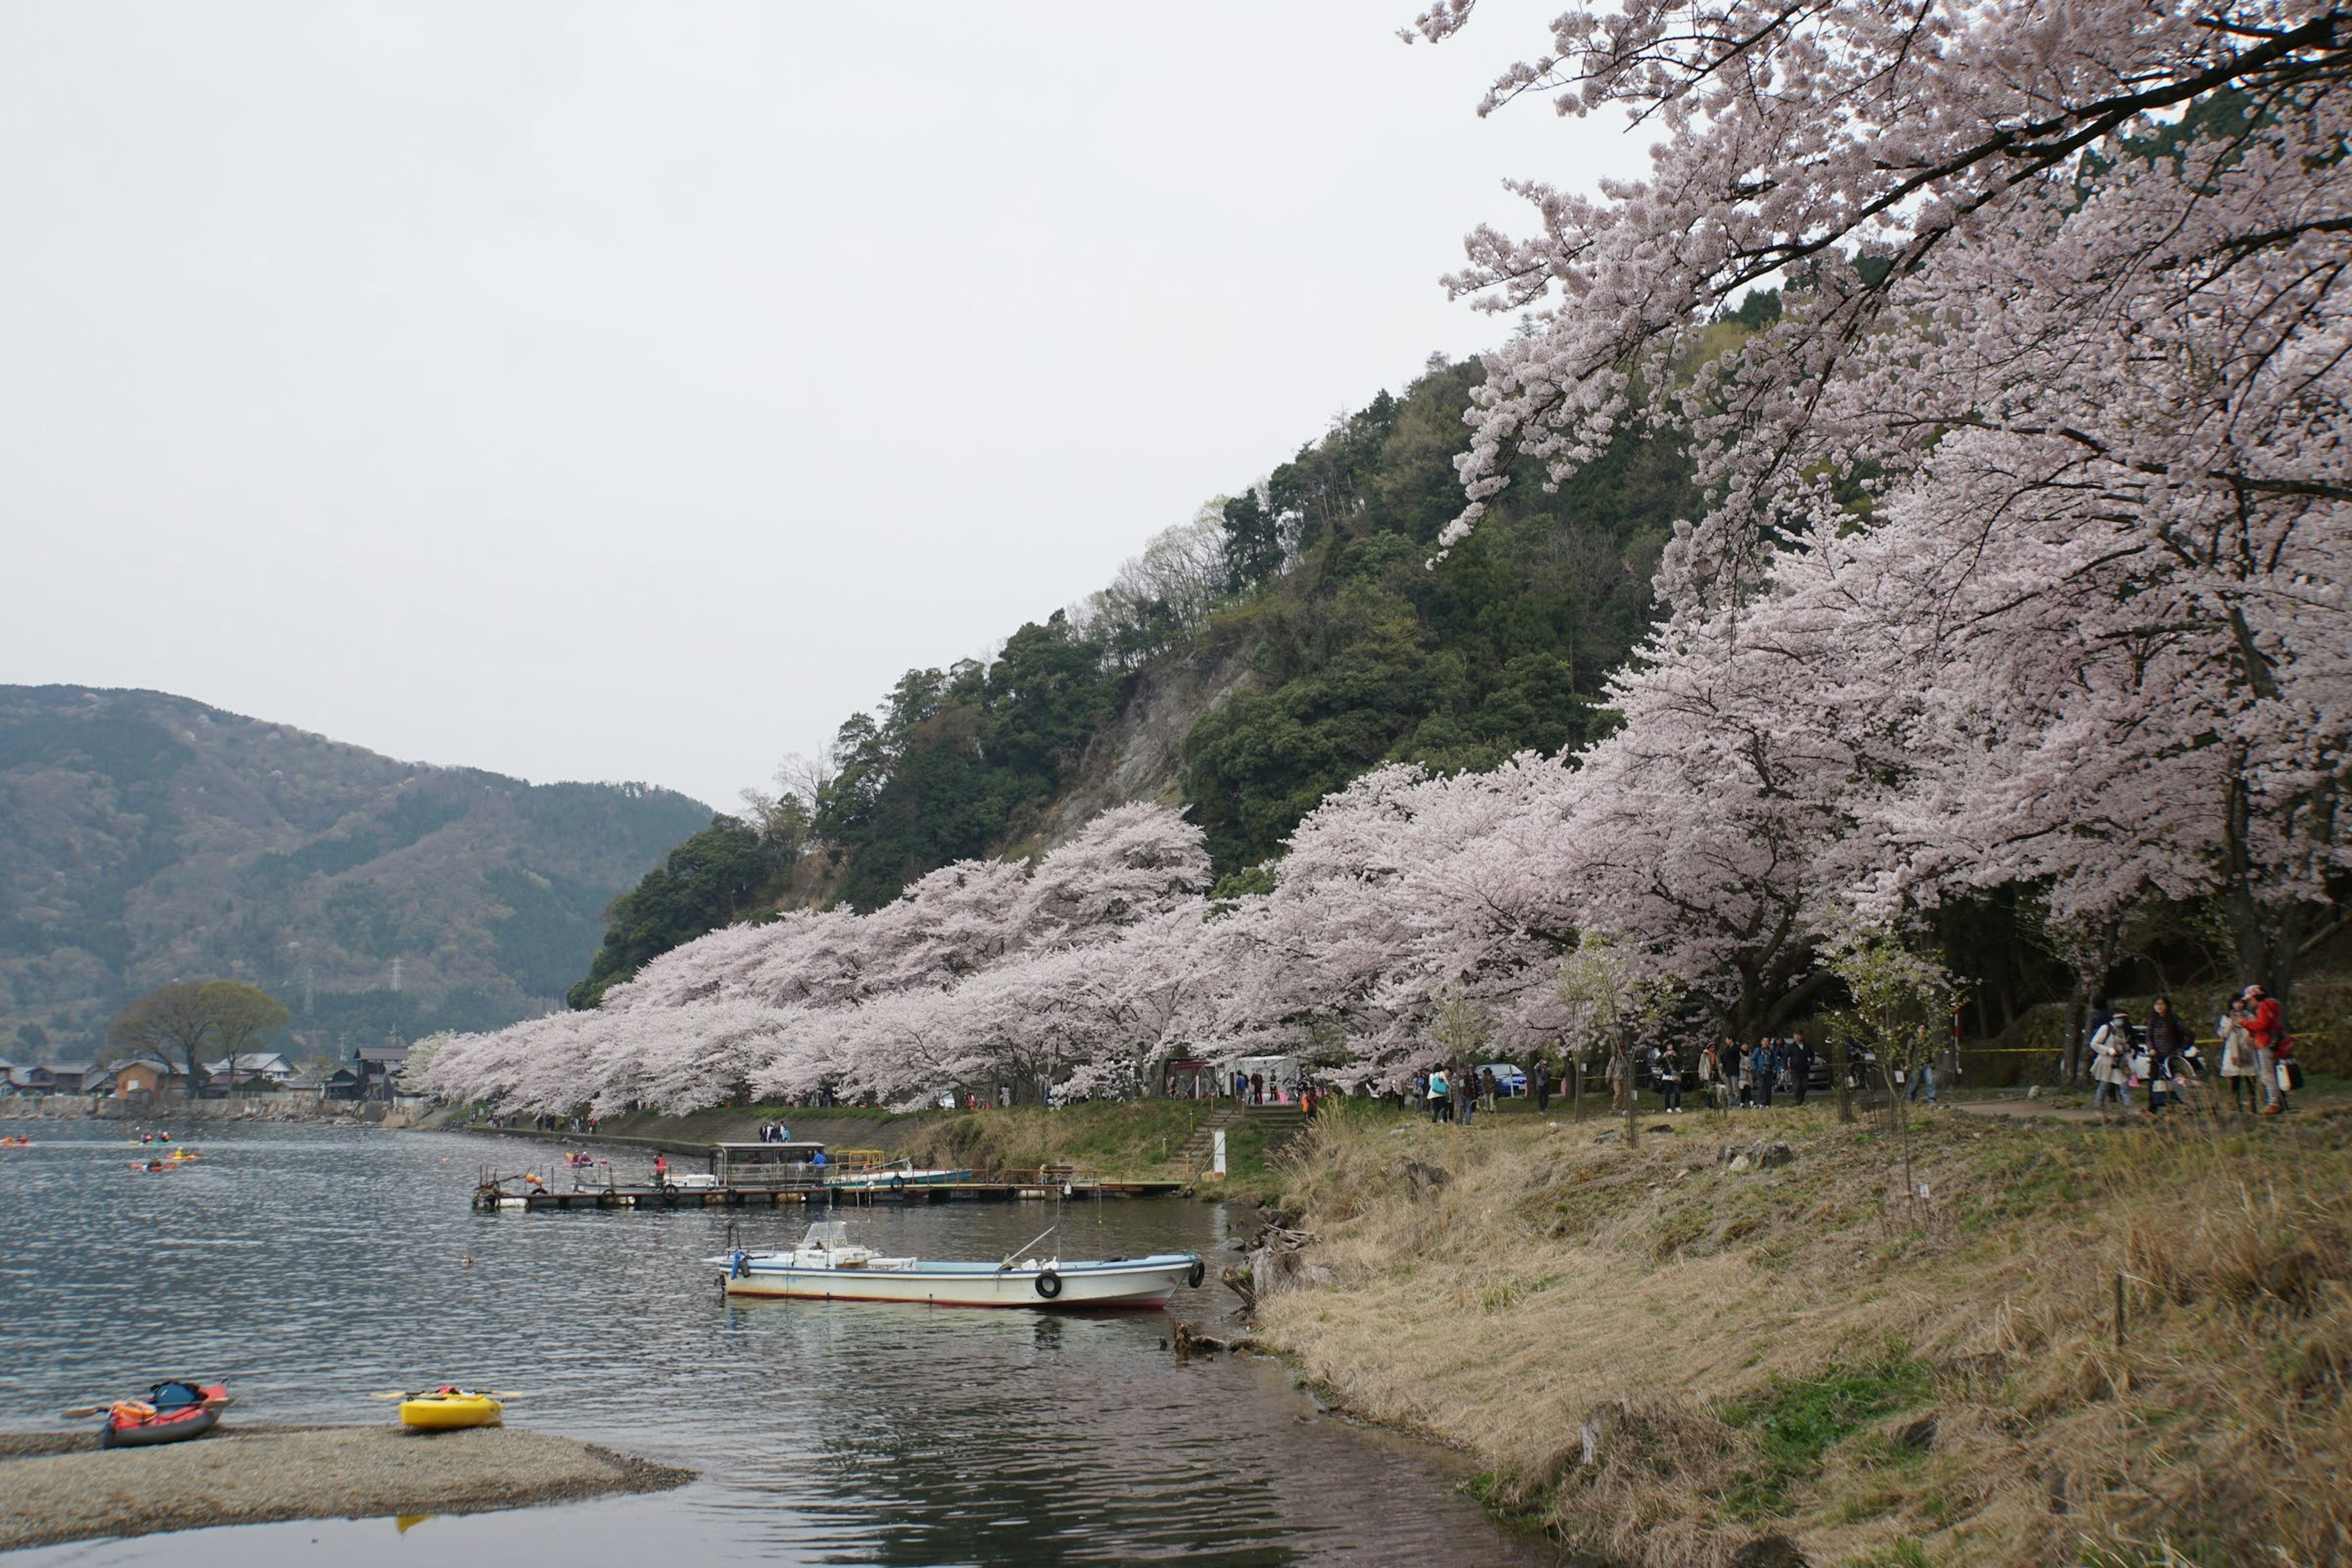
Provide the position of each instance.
(795, 1164)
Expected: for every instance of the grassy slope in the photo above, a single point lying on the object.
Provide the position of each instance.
(1746, 1351)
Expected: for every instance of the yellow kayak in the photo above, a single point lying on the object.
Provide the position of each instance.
(448, 1409)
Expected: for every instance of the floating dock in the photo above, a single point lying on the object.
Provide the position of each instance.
(505, 1194)
(494, 1192)
(794, 1172)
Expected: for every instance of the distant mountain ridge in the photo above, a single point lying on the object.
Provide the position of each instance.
(145, 837)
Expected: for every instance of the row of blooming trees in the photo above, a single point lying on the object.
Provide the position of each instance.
(2025, 563)
(2029, 511)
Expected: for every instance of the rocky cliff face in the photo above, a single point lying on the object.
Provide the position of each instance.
(1139, 754)
(145, 837)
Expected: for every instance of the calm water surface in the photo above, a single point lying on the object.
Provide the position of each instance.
(309, 1265)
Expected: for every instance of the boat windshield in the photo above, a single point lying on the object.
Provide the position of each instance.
(827, 1236)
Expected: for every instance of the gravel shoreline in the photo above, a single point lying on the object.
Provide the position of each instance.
(63, 1487)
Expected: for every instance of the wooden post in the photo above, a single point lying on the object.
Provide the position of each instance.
(2119, 1312)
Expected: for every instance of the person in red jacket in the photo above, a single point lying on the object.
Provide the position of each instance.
(2264, 1024)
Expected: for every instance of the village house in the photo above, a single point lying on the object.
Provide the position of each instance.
(255, 1072)
(379, 1068)
(149, 1076)
(51, 1078)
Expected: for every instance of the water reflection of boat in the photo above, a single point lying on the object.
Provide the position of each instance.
(826, 1265)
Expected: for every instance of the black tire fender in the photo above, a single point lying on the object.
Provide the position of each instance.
(898, 1184)
(1049, 1284)
(1197, 1272)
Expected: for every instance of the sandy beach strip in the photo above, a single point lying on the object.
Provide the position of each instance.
(64, 1488)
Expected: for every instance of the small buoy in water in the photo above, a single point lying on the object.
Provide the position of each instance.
(467, 1259)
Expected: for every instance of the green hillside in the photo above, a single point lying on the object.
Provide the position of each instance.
(145, 837)
(1352, 650)
(1319, 642)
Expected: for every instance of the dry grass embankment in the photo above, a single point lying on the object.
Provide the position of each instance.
(1666, 1360)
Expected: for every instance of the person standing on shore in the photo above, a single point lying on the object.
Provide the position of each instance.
(1668, 1067)
(1539, 1084)
(1768, 1068)
(1466, 1094)
(1710, 1076)
(1441, 1105)
(1800, 1066)
(1746, 1055)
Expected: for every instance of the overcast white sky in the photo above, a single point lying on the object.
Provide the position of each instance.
(634, 390)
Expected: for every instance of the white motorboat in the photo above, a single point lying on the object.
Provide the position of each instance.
(897, 1176)
(826, 1265)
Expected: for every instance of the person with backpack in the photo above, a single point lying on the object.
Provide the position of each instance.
(2266, 1025)
(2111, 1054)
(2238, 1057)
(2095, 1021)
(1441, 1099)
(2170, 1048)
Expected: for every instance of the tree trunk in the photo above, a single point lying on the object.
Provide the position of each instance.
(1625, 1085)
(2070, 1049)
(1838, 1077)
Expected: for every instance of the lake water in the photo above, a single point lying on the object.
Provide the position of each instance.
(309, 1265)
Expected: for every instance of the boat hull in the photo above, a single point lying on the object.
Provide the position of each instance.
(451, 1414)
(175, 1424)
(896, 1181)
(1144, 1282)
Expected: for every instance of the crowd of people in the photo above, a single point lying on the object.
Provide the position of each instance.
(2163, 1058)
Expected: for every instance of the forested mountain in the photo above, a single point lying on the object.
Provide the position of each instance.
(1348, 649)
(1245, 665)
(145, 837)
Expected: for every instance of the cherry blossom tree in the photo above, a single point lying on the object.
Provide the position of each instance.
(2072, 279)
